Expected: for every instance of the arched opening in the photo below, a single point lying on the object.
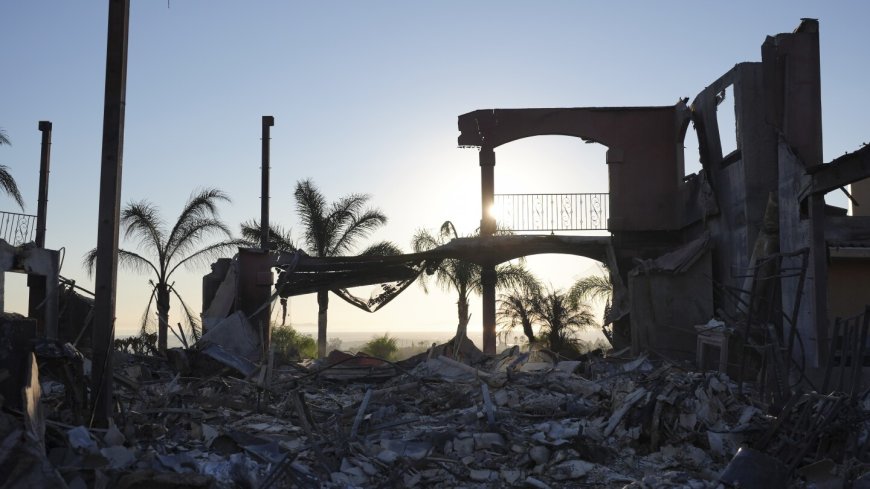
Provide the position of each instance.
(540, 175)
(551, 184)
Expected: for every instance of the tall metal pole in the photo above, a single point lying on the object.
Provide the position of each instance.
(44, 165)
(37, 306)
(487, 229)
(268, 121)
(109, 211)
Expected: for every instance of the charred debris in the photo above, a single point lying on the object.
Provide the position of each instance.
(739, 325)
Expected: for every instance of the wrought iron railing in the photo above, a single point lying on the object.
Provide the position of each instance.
(552, 212)
(17, 229)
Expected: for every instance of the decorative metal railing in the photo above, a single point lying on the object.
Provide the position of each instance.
(552, 212)
(17, 229)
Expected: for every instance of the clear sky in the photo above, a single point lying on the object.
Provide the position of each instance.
(365, 97)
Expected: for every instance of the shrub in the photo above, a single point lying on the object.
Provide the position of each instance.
(384, 347)
(142, 344)
(290, 344)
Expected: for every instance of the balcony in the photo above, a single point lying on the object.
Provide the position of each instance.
(17, 229)
(552, 212)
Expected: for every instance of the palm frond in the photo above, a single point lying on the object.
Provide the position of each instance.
(344, 209)
(128, 259)
(145, 322)
(384, 248)
(207, 254)
(358, 226)
(311, 207)
(280, 239)
(190, 236)
(448, 231)
(7, 183)
(4, 138)
(201, 206)
(142, 220)
(190, 318)
(423, 240)
(591, 288)
(516, 277)
(135, 262)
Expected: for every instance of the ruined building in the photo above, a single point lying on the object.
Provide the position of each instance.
(689, 247)
(747, 240)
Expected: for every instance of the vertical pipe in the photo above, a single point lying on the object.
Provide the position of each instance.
(109, 210)
(487, 229)
(44, 165)
(268, 121)
(37, 306)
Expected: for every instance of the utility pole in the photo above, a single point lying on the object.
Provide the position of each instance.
(109, 211)
(268, 121)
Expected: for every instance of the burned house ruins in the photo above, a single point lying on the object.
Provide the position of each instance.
(740, 326)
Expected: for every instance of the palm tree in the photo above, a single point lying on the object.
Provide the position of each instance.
(332, 230)
(7, 183)
(516, 308)
(462, 276)
(561, 319)
(595, 288)
(164, 252)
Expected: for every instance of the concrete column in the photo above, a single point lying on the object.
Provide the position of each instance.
(487, 190)
(106, 276)
(487, 229)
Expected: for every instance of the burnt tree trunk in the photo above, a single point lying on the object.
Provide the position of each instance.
(322, 306)
(162, 316)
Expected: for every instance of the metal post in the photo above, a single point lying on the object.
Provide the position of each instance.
(109, 211)
(268, 121)
(36, 303)
(44, 165)
(487, 229)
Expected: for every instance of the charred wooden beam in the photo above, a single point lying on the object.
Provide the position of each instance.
(840, 172)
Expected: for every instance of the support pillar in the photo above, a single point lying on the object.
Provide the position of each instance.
(255, 291)
(487, 229)
(106, 276)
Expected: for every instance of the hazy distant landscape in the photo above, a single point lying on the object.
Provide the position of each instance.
(351, 339)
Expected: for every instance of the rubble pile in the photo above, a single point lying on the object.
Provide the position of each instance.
(516, 420)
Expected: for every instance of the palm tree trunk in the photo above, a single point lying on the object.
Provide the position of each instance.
(162, 316)
(323, 305)
(462, 309)
(527, 330)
